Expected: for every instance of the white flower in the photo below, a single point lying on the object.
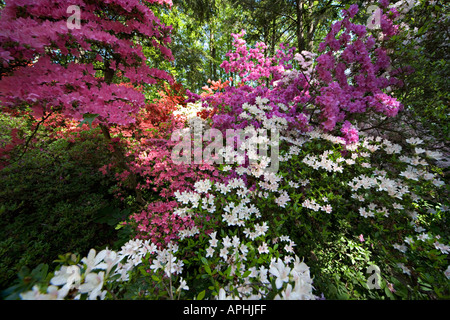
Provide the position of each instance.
(444, 249)
(404, 268)
(300, 268)
(280, 271)
(289, 247)
(419, 150)
(261, 229)
(213, 242)
(156, 264)
(34, 294)
(236, 241)
(209, 252)
(423, 236)
(364, 213)
(223, 295)
(414, 141)
(263, 248)
(93, 283)
(227, 242)
(401, 248)
(447, 272)
(438, 183)
(92, 260)
(223, 253)
(327, 208)
(282, 199)
(110, 260)
(68, 276)
(183, 285)
(410, 173)
(262, 274)
(244, 250)
(435, 155)
(419, 229)
(288, 294)
(202, 186)
(53, 293)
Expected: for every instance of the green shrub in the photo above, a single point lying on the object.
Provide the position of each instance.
(50, 200)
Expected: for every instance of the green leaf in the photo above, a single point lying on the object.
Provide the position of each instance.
(246, 274)
(201, 295)
(88, 118)
(207, 269)
(155, 278)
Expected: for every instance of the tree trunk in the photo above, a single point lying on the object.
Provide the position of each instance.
(212, 52)
(299, 26)
(119, 153)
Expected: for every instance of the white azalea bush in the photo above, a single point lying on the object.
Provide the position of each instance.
(141, 271)
(340, 207)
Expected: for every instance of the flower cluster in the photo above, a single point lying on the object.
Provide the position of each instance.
(297, 279)
(33, 31)
(89, 278)
(243, 226)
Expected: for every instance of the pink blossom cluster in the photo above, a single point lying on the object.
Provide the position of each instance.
(353, 72)
(349, 78)
(151, 162)
(252, 64)
(35, 39)
(158, 174)
(157, 223)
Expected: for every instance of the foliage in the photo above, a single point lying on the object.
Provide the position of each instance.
(335, 201)
(50, 198)
(423, 46)
(58, 66)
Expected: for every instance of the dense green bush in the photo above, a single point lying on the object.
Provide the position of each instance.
(50, 200)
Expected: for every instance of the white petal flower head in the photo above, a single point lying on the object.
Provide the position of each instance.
(300, 267)
(55, 293)
(68, 276)
(223, 295)
(447, 272)
(263, 248)
(414, 141)
(288, 294)
(280, 271)
(202, 186)
(110, 260)
(183, 285)
(442, 247)
(93, 284)
(209, 252)
(93, 259)
(404, 268)
(423, 236)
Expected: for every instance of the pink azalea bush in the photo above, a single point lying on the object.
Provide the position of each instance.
(35, 38)
(346, 83)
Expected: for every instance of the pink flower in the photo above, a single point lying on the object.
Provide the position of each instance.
(384, 3)
(361, 238)
(391, 287)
